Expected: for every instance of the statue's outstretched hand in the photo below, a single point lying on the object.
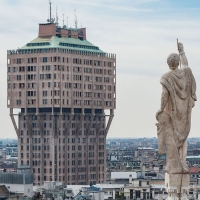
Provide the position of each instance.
(180, 48)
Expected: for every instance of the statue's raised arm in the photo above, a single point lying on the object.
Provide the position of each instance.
(183, 58)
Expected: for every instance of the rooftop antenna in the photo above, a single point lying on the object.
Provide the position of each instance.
(63, 20)
(75, 19)
(50, 10)
(56, 17)
(67, 22)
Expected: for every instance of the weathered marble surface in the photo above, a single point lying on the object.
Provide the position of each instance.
(174, 116)
(174, 122)
(177, 186)
(167, 142)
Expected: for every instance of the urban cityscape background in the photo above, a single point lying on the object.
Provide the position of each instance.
(78, 122)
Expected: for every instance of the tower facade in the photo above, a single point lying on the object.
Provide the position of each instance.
(62, 85)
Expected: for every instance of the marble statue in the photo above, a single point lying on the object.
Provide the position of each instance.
(174, 119)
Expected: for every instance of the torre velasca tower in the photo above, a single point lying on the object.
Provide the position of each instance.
(62, 85)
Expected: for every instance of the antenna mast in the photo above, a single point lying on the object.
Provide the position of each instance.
(67, 22)
(63, 20)
(75, 20)
(50, 10)
(56, 17)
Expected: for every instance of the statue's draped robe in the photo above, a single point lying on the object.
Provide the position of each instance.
(181, 86)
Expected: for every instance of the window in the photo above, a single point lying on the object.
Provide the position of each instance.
(18, 101)
(44, 93)
(44, 101)
(19, 77)
(44, 59)
(31, 76)
(19, 60)
(48, 67)
(140, 183)
(41, 76)
(21, 85)
(31, 68)
(21, 69)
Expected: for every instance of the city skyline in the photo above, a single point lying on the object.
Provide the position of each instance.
(135, 32)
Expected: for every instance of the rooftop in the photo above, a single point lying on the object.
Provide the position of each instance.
(61, 42)
(194, 169)
(145, 148)
(193, 156)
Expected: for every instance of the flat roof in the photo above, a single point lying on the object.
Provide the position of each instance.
(146, 148)
(123, 175)
(193, 156)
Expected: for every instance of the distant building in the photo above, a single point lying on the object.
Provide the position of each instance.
(123, 175)
(193, 160)
(65, 88)
(11, 152)
(18, 183)
(138, 189)
(1, 145)
(193, 152)
(4, 192)
(195, 172)
(58, 190)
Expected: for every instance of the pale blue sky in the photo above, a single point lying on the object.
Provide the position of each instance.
(141, 32)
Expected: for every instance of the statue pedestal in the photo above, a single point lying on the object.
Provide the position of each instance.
(177, 186)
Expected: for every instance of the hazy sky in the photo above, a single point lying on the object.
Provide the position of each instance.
(141, 32)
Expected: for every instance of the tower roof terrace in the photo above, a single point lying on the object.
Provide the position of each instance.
(61, 42)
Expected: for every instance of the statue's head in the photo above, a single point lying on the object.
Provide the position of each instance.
(173, 61)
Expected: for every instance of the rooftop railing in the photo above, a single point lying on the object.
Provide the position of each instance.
(61, 50)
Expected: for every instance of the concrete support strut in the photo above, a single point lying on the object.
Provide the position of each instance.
(14, 122)
(109, 121)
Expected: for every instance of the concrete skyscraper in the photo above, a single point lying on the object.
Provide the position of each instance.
(62, 85)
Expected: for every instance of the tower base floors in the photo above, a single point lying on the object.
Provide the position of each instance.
(69, 148)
